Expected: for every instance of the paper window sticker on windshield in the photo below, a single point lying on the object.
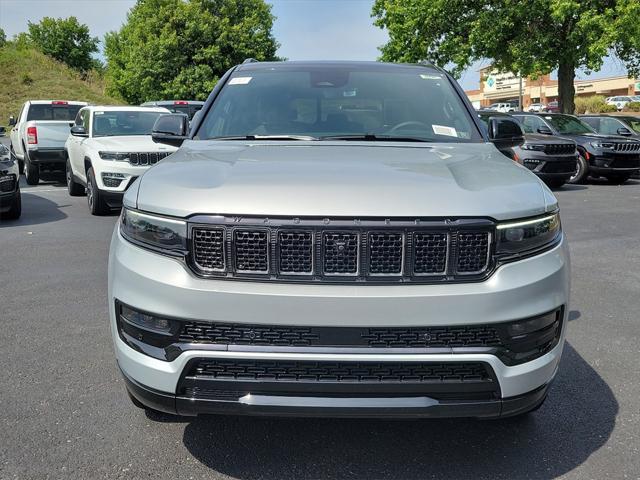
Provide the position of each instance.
(430, 77)
(442, 130)
(240, 80)
(98, 113)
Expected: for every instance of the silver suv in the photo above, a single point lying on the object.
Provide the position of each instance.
(339, 239)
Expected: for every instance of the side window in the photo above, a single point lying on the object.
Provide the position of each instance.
(85, 119)
(593, 122)
(532, 123)
(610, 126)
(78, 120)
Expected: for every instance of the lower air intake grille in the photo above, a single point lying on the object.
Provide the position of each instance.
(339, 372)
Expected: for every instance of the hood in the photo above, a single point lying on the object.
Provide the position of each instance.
(589, 137)
(332, 179)
(546, 139)
(131, 143)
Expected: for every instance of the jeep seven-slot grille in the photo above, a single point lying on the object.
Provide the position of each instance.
(426, 254)
(559, 149)
(146, 158)
(627, 147)
(338, 372)
(365, 337)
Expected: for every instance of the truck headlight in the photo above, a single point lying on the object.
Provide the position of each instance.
(602, 145)
(117, 156)
(163, 234)
(528, 235)
(533, 146)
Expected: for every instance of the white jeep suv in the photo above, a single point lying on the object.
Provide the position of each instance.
(109, 147)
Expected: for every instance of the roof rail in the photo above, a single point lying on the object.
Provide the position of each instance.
(250, 60)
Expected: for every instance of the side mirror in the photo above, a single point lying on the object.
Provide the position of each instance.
(505, 133)
(2, 131)
(624, 131)
(12, 121)
(79, 131)
(172, 129)
(544, 130)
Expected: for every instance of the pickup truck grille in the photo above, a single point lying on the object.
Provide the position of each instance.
(376, 252)
(147, 158)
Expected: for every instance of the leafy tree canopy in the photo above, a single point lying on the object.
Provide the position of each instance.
(170, 49)
(66, 40)
(3, 38)
(532, 37)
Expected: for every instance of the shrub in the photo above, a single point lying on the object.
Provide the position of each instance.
(632, 107)
(593, 104)
(26, 79)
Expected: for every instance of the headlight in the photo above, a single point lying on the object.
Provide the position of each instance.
(602, 145)
(528, 235)
(163, 234)
(531, 146)
(117, 156)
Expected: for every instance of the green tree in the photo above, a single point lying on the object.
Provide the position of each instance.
(3, 38)
(180, 48)
(66, 40)
(532, 37)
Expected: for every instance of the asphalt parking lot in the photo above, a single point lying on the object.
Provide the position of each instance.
(65, 413)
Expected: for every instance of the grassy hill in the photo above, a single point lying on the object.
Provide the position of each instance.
(27, 74)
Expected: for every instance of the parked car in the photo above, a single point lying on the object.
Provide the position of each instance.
(339, 238)
(627, 126)
(39, 134)
(551, 107)
(188, 107)
(553, 159)
(620, 101)
(10, 199)
(611, 156)
(109, 147)
(536, 107)
(502, 107)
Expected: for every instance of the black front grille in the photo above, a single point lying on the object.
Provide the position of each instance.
(559, 149)
(625, 162)
(147, 158)
(7, 183)
(251, 250)
(340, 253)
(339, 372)
(436, 252)
(627, 147)
(386, 253)
(291, 336)
(565, 166)
(473, 252)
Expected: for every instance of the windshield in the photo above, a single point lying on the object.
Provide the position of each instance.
(350, 101)
(50, 111)
(121, 123)
(568, 125)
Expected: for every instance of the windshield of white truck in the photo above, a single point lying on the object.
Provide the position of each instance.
(123, 123)
(350, 103)
(61, 112)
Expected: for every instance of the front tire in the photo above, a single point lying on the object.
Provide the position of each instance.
(97, 205)
(582, 171)
(31, 172)
(16, 207)
(74, 188)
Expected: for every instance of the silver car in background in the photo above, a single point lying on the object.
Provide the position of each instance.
(338, 239)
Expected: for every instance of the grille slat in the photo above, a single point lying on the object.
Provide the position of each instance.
(311, 253)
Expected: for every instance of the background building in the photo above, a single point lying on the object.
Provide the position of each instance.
(505, 87)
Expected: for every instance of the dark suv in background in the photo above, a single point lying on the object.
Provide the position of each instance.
(611, 156)
(553, 159)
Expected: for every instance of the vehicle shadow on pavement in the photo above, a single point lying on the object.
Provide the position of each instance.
(36, 210)
(576, 420)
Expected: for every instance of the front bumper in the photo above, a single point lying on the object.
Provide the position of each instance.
(157, 283)
(616, 163)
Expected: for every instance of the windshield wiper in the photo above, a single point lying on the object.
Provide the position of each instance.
(369, 137)
(265, 137)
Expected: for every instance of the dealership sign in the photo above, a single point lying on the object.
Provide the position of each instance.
(502, 82)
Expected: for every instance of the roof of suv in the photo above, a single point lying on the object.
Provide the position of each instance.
(369, 65)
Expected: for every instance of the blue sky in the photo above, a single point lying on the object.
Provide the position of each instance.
(306, 29)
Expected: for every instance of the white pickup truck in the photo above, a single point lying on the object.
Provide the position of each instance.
(39, 133)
